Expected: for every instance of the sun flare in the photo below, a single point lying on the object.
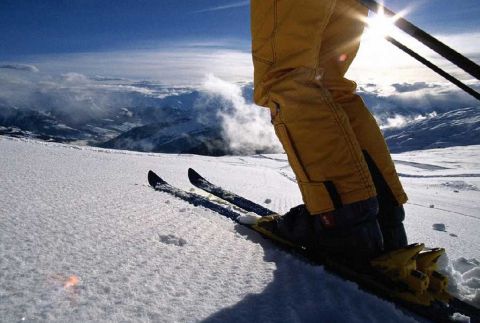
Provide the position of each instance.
(381, 25)
(378, 27)
(378, 60)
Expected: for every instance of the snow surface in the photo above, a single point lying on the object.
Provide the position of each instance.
(84, 238)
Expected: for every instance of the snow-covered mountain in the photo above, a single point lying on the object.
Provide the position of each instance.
(184, 136)
(216, 118)
(84, 238)
(459, 127)
(57, 124)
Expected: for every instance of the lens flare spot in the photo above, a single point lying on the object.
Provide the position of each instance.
(342, 58)
(72, 281)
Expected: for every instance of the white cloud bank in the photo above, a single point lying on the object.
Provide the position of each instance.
(246, 127)
(76, 96)
(380, 62)
(186, 63)
(172, 64)
(88, 84)
(399, 121)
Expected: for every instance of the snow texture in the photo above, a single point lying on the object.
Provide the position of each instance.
(84, 238)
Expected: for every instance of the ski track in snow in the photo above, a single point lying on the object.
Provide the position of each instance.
(420, 165)
(84, 238)
(439, 176)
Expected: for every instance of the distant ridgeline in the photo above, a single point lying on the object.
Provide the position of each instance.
(178, 124)
(454, 128)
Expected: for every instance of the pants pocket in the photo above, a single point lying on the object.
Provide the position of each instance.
(319, 197)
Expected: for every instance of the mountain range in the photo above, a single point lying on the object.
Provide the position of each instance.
(194, 121)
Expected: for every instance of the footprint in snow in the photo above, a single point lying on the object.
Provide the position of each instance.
(458, 186)
(172, 240)
(442, 228)
(439, 227)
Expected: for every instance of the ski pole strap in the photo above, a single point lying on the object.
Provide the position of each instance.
(428, 40)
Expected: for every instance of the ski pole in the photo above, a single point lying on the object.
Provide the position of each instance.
(434, 67)
(428, 40)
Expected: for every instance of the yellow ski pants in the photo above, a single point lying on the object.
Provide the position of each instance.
(301, 52)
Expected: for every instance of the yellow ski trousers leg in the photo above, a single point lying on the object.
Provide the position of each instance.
(301, 52)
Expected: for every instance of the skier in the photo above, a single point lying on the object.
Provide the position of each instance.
(352, 194)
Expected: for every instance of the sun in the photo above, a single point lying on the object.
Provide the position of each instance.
(378, 27)
(381, 25)
(377, 59)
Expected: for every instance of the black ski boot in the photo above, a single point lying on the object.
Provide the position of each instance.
(390, 213)
(391, 218)
(351, 232)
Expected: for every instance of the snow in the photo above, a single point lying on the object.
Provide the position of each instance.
(84, 238)
(249, 218)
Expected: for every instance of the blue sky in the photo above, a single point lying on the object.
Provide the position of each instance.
(83, 54)
(29, 27)
(37, 27)
(139, 38)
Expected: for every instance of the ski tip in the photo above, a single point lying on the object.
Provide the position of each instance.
(151, 177)
(154, 179)
(192, 174)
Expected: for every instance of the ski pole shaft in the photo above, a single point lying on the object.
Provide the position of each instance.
(428, 40)
(434, 67)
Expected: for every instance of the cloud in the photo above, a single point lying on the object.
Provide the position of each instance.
(400, 121)
(20, 67)
(224, 7)
(467, 43)
(246, 127)
(173, 64)
(89, 85)
(411, 87)
(81, 101)
(380, 62)
(398, 105)
(77, 97)
(215, 103)
(182, 63)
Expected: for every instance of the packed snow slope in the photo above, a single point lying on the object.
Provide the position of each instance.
(84, 238)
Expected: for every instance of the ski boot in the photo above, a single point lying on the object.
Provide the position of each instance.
(350, 234)
(390, 218)
(293, 229)
(390, 213)
(400, 266)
